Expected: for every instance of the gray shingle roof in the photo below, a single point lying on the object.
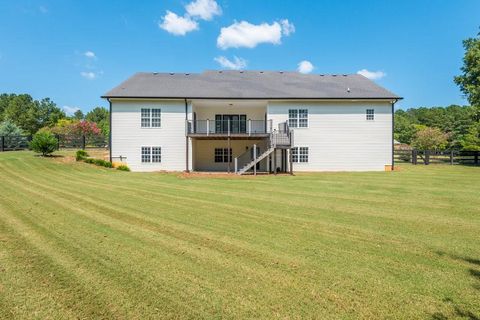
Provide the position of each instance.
(249, 85)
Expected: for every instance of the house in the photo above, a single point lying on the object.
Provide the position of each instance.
(244, 121)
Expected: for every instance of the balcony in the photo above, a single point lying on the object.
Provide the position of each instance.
(235, 128)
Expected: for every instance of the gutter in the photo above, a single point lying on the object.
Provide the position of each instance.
(252, 98)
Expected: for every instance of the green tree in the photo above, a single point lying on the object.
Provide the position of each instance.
(101, 117)
(469, 80)
(428, 138)
(78, 115)
(48, 113)
(404, 127)
(471, 141)
(44, 143)
(29, 114)
(8, 128)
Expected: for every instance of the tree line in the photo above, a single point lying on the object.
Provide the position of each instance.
(455, 127)
(20, 114)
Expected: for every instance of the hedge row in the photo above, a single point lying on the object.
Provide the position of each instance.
(82, 155)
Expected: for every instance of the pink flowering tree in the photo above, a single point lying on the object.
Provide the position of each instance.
(87, 128)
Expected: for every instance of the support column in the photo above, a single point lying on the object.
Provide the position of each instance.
(255, 159)
(275, 161)
(228, 153)
(291, 160)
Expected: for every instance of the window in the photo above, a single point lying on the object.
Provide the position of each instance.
(298, 118)
(151, 154)
(151, 118)
(146, 154)
(145, 118)
(370, 114)
(156, 154)
(156, 118)
(223, 155)
(300, 154)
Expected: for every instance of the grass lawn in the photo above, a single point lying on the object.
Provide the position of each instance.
(79, 241)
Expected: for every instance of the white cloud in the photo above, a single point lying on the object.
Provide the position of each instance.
(90, 54)
(236, 64)
(287, 27)
(88, 75)
(305, 67)
(203, 9)
(177, 25)
(245, 34)
(372, 75)
(70, 110)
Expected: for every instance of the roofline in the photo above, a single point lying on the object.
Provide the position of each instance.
(243, 98)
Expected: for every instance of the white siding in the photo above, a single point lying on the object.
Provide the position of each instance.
(128, 136)
(338, 136)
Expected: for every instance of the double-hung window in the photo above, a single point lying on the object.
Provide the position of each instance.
(370, 114)
(151, 154)
(298, 118)
(151, 118)
(223, 155)
(300, 154)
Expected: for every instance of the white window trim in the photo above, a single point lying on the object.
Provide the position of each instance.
(298, 118)
(298, 155)
(150, 154)
(150, 118)
(367, 114)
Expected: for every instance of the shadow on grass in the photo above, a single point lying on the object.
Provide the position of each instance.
(49, 156)
(458, 311)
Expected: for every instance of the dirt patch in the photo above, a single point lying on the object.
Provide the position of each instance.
(224, 175)
(65, 159)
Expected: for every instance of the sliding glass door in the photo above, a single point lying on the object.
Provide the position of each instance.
(237, 123)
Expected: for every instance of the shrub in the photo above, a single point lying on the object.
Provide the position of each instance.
(81, 155)
(44, 143)
(430, 139)
(103, 163)
(89, 160)
(123, 168)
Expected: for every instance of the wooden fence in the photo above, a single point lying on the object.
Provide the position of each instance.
(437, 157)
(12, 143)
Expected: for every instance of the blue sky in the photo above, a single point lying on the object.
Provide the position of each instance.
(74, 51)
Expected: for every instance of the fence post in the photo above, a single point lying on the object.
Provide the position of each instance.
(83, 142)
(2, 144)
(249, 127)
(427, 157)
(451, 157)
(414, 157)
(475, 161)
(236, 165)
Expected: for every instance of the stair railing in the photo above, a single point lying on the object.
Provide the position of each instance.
(242, 160)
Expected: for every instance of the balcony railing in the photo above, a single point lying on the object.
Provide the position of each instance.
(228, 127)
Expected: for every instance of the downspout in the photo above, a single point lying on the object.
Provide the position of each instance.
(186, 136)
(110, 131)
(393, 139)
